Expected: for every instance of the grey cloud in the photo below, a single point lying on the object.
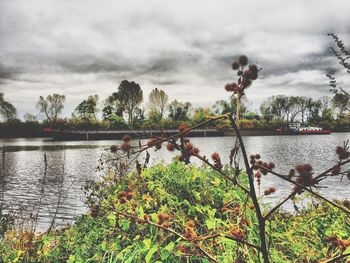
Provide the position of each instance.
(83, 47)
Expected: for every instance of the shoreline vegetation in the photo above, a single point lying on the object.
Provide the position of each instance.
(172, 214)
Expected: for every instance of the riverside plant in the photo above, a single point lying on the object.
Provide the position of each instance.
(301, 178)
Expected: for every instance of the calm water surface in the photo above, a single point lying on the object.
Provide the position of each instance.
(71, 164)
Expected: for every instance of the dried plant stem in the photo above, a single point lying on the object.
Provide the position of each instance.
(279, 205)
(238, 110)
(243, 242)
(308, 190)
(337, 258)
(262, 231)
(177, 135)
(220, 171)
(324, 174)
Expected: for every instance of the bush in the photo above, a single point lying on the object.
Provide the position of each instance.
(168, 214)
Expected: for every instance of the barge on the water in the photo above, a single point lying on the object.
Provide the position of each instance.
(296, 129)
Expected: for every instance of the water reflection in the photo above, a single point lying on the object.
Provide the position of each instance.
(71, 164)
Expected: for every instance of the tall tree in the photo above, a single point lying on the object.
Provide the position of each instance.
(7, 110)
(113, 106)
(88, 108)
(157, 101)
(179, 111)
(52, 106)
(288, 108)
(128, 97)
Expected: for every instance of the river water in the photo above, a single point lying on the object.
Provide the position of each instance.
(71, 164)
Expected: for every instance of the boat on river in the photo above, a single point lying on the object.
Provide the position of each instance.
(296, 129)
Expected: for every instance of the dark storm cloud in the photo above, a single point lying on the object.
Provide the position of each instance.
(184, 47)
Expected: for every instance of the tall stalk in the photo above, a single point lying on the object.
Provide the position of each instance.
(252, 193)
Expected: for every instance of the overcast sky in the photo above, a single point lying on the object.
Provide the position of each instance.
(80, 48)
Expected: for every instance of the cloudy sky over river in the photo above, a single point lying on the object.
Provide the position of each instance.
(79, 48)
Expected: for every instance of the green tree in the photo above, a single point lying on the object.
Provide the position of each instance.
(224, 106)
(179, 111)
(52, 106)
(128, 97)
(113, 106)
(341, 101)
(87, 109)
(201, 114)
(314, 111)
(7, 110)
(158, 100)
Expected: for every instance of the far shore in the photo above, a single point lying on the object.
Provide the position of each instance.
(92, 135)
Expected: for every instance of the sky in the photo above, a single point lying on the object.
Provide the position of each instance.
(185, 47)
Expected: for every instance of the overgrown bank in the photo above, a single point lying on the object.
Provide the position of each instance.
(181, 213)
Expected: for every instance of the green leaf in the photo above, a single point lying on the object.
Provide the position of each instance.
(124, 224)
(166, 250)
(112, 219)
(210, 223)
(216, 181)
(147, 243)
(150, 253)
(170, 247)
(104, 245)
(71, 259)
(196, 195)
(140, 211)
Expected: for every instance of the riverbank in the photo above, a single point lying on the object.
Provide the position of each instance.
(86, 135)
(173, 213)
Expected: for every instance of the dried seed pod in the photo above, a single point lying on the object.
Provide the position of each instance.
(243, 60)
(235, 65)
(170, 147)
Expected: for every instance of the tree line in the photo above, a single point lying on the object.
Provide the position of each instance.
(122, 109)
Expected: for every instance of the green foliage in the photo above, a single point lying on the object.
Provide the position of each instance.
(224, 106)
(114, 122)
(179, 111)
(126, 212)
(87, 109)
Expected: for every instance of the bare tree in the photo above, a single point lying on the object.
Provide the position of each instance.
(51, 106)
(157, 101)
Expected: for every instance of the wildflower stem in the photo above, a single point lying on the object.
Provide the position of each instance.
(306, 189)
(262, 232)
(324, 174)
(219, 171)
(279, 205)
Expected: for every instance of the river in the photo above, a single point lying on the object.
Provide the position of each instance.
(71, 164)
